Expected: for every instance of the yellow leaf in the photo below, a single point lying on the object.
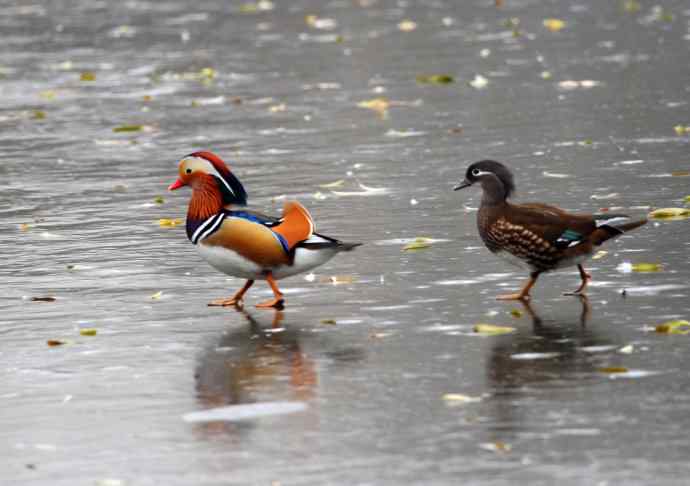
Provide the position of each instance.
(337, 183)
(670, 213)
(379, 105)
(673, 327)
(435, 79)
(87, 76)
(459, 398)
(24, 227)
(646, 267)
(157, 295)
(328, 321)
(554, 25)
(407, 25)
(88, 331)
(169, 223)
(418, 243)
(516, 313)
(613, 369)
(277, 108)
(492, 330)
(159, 200)
(600, 254)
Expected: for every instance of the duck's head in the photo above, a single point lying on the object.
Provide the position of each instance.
(201, 168)
(494, 177)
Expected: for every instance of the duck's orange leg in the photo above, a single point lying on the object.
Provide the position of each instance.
(278, 301)
(235, 299)
(585, 280)
(524, 293)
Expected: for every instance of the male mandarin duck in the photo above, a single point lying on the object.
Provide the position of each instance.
(537, 236)
(244, 243)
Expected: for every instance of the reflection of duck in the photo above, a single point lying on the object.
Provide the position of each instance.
(557, 338)
(550, 361)
(253, 362)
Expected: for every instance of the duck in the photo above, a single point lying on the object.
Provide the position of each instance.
(535, 236)
(244, 243)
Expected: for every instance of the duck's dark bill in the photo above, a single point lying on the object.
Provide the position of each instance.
(462, 185)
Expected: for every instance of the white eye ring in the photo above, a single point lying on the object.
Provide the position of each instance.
(476, 172)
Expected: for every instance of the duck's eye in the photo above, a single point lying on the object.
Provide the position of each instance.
(475, 172)
(188, 171)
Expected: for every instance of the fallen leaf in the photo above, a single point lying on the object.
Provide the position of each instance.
(169, 223)
(128, 128)
(54, 342)
(492, 330)
(88, 331)
(157, 295)
(407, 25)
(600, 254)
(418, 243)
(159, 200)
(278, 108)
(673, 327)
(646, 267)
(43, 299)
(680, 173)
(554, 25)
(379, 105)
(516, 313)
(38, 115)
(670, 213)
(459, 399)
(328, 321)
(497, 446)
(613, 369)
(682, 129)
(87, 76)
(435, 79)
(337, 183)
(24, 227)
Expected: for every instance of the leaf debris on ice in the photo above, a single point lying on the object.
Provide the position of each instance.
(673, 327)
(492, 330)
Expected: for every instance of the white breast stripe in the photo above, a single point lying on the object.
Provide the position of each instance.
(213, 227)
(206, 224)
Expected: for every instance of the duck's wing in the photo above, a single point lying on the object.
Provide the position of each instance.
(566, 230)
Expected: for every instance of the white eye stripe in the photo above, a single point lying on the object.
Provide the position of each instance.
(211, 170)
(478, 173)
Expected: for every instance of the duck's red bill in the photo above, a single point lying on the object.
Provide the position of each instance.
(175, 185)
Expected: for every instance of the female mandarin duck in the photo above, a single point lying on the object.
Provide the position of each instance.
(534, 235)
(243, 243)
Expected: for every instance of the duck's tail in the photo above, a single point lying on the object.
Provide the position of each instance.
(613, 225)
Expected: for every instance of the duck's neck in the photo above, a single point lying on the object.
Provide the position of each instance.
(494, 192)
(206, 201)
